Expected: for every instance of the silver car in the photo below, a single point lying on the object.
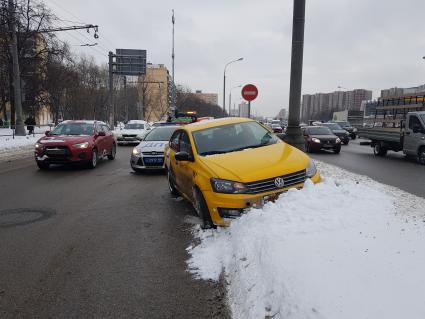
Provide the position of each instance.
(149, 154)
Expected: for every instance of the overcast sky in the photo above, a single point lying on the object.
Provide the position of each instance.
(371, 44)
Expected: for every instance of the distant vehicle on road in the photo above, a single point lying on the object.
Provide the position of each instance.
(132, 133)
(320, 138)
(149, 154)
(277, 128)
(409, 137)
(338, 131)
(348, 127)
(226, 166)
(75, 142)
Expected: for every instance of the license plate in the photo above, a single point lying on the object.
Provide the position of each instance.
(153, 160)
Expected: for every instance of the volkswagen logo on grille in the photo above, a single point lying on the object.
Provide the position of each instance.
(279, 182)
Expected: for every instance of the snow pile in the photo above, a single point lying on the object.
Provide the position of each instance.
(8, 144)
(345, 248)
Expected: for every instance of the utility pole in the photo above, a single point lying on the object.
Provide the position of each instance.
(173, 20)
(294, 134)
(19, 124)
(111, 90)
(125, 98)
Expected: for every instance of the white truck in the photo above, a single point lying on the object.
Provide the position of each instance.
(406, 134)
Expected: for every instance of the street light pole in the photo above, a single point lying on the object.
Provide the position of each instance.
(224, 84)
(230, 97)
(294, 134)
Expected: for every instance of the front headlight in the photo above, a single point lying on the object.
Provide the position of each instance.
(136, 151)
(315, 140)
(354, 130)
(338, 140)
(81, 145)
(38, 146)
(227, 187)
(311, 169)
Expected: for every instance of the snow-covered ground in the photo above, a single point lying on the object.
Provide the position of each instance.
(349, 247)
(10, 145)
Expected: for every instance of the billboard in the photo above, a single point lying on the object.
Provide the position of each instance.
(130, 62)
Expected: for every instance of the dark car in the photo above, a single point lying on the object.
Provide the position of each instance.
(75, 142)
(338, 131)
(347, 126)
(320, 138)
(277, 128)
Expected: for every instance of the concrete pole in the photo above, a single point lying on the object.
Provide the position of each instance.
(294, 134)
(111, 91)
(19, 124)
(224, 93)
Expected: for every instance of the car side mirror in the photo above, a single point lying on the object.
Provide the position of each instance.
(47, 133)
(101, 134)
(183, 157)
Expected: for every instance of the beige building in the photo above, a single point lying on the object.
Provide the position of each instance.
(154, 91)
(211, 98)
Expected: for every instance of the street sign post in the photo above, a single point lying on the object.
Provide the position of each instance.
(249, 93)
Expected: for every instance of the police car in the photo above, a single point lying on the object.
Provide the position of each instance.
(149, 154)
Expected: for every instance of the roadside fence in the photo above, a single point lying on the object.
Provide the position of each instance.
(38, 130)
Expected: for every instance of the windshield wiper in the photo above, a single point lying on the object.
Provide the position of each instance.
(212, 153)
(251, 146)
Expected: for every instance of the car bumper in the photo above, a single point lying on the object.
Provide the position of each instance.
(218, 203)
(322, 146)
(139, 162)
(69, 156)
(121, 141)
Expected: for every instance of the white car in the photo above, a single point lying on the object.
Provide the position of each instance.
(132, 133)
(149, 154)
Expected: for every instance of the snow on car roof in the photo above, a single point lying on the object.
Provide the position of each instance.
(83, 121)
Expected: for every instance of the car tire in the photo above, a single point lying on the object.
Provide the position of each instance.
(337, 150)
(94, 159)
(308, 148)
(421, 156)
(171, 183)
(379, 150)
(202, 210)
(43, 165)
(111, 156)
(353, 137)
(345, 142)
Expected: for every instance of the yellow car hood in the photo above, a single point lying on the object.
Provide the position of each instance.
(257, 163)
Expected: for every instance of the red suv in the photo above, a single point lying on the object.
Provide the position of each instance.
(75, 142)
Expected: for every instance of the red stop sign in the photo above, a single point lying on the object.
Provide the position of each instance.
(249, 92)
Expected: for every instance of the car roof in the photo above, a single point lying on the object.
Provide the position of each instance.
(197, 126)
(83, 121)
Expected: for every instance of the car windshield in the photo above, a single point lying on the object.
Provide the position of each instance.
(275, 125)
(332, 126)
(320, 130)
(232, 137)
(73, 129)
(134, 126)
(160, 134)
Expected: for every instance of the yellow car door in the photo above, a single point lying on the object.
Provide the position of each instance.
(185, 172)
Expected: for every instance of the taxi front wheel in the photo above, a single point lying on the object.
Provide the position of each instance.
(171, 183)
(202, 210)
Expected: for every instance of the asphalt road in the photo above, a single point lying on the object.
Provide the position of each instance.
(394, 169)
(102, 243)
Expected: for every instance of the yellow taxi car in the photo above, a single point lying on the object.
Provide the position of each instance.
(226, 166)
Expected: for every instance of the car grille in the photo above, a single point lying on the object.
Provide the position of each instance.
(153, 153)
(268, 185)
(327, 141)
(129, 135)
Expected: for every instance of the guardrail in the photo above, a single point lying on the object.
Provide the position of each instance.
(38, 130)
